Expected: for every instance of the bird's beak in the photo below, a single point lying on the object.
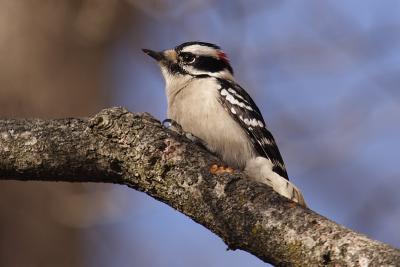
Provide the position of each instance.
(156, 55)
(163, 56)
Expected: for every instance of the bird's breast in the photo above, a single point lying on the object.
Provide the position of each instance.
(197, 109)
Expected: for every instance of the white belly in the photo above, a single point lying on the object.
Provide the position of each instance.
(197, 110)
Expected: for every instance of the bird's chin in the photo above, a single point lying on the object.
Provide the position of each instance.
(165, 71)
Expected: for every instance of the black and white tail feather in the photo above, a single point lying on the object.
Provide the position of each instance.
(205, 100)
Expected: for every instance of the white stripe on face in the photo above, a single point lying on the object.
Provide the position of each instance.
(201, 50)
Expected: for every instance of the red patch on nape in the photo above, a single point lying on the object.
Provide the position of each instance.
(222, 56)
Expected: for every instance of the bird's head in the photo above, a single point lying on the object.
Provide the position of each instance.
(192, 59)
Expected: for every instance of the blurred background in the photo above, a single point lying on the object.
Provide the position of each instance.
(325, 74)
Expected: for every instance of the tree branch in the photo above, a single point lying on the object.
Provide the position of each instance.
(117, 146)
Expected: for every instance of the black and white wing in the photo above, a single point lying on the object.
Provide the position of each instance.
(242, 108)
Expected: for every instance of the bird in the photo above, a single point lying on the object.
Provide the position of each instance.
(205, 100)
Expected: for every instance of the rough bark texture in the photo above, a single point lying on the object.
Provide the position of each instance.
(117, 146)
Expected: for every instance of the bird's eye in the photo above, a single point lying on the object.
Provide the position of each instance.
(188, 57)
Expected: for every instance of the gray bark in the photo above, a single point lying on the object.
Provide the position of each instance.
(117, 146)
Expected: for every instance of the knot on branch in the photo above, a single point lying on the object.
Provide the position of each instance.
(106, 118)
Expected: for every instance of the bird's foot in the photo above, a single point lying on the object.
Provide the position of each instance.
(173, 126)
(215, 169)
(176, 127)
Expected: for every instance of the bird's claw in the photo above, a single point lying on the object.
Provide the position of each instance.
(176, 127)
(215, 169)
(173, 126)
